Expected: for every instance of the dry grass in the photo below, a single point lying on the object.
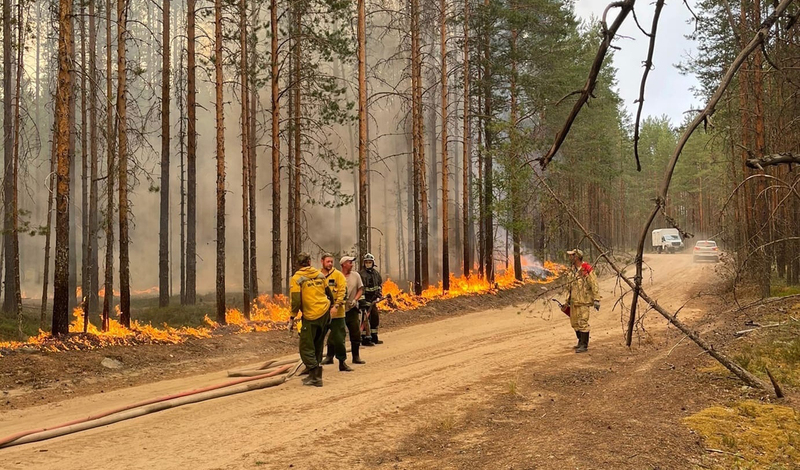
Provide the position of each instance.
(750, 434)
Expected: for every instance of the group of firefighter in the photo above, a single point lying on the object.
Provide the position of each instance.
(337, 303)
(334, 304)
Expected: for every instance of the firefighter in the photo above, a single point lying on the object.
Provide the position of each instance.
(337, 284)
(355, 289)
(583, 293)
(372, 294)
(310, 295)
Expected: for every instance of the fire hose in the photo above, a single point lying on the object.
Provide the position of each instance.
(272, 373)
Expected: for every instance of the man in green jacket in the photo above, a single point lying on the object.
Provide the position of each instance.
(310, 295)
(338, 329)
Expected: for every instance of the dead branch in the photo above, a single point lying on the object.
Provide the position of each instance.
(648, 65)
(736, 369)
(774, 159)
(775, 384)
(609, 33)
(754, 43)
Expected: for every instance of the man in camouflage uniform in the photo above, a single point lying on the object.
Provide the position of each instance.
(583, 293)
(309, 293)
(372, 294)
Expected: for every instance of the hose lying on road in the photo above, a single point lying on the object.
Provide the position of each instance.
(272, 377)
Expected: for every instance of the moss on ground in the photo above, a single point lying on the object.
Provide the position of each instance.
(750, 434)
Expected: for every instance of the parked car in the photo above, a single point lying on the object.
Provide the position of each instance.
(705, 250)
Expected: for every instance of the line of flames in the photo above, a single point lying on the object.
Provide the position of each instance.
(266, 313)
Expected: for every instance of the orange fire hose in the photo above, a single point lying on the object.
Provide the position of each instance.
(151, 406)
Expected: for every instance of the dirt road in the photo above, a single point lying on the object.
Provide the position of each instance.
(423, 375)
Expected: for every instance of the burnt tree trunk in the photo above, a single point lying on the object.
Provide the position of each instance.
(108, 289)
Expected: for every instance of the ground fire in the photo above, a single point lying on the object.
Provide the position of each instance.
(268, 313)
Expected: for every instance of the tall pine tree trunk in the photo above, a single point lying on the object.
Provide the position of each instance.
(419, 168)
(488, 187)
(516, 184)
(245, 160)
(163, 235)
(296, 232)
(51, 181)
(122, 128)
(220, 119)
(64, 91)
(84, 168)
(108, 290)
(363, 177)
(467, 161)
(445, 227)
(191, 157)
(276, 155)
(94, 272)
(14, 255)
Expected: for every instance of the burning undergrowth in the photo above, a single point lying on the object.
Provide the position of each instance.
(266, 313)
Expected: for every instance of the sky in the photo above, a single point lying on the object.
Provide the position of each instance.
(667, 91)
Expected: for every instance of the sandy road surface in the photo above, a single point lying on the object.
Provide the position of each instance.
(421, 374)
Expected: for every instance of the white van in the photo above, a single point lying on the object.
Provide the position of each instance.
(667, 240)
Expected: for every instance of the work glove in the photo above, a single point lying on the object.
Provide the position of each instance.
(597, 305)
(290, 325)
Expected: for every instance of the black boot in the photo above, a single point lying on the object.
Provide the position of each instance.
(329, 355)
(584, 343)
(310, 375)
(354, 345)
(578, 335)
(343, 367)
(367, 341)
(314, 378)
(375, 338)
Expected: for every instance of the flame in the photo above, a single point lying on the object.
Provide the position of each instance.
(270, 313)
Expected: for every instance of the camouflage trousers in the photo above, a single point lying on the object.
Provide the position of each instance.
(579, 318)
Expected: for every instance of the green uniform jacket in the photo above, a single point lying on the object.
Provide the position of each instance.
(337, 284)
(307, 292)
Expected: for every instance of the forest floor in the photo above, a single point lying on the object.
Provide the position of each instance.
(479, 382)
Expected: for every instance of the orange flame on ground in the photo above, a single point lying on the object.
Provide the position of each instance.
(266, 313)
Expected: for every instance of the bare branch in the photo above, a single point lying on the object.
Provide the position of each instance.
(648, 65)
(625, 7)
(754, 43)
(774, 159)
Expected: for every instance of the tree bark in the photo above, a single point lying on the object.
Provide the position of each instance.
(14, 256)
(220, 119)
(8, 156)
(64, 91)
(245, 161)
(467, 163)
(276, 155)
(163, 238)
(516, 217)
(108, 290)
(51, 181)
(296, 167)
(85, 281)
(416, 112)
(488, 188)
(122, 132)
(191, 157)
(94, 271)
(363, 179)
(445, 227)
